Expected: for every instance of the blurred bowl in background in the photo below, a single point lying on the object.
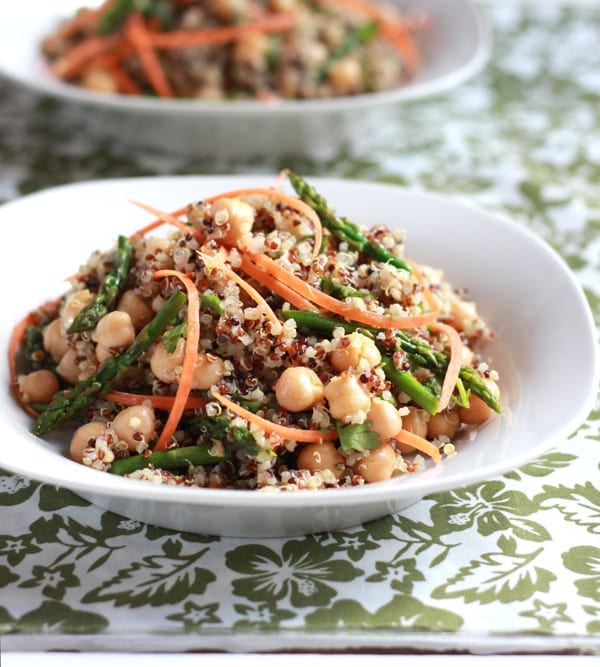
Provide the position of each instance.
(455, 44)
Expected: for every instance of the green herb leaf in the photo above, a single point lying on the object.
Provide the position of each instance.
(171, 337)
(358, 437)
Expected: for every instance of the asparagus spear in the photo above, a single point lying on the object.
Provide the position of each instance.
(205, 428)
(68, 404)
(418, 351)
(409, 384)
(342, 228)
(168, 459)
(34, 348)
(109, 290)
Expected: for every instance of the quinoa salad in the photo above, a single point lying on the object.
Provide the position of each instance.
(236, 49)
(257, 340)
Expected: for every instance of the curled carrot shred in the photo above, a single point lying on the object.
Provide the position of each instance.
(158, 402)
(170, 219)
(454, 362)
(282, 198)
(419, 443)
(190, 356)
(183, 39)
(215, 262)
(77, 59)
(140, 38)
(159, 222)
(268, 281)
(345, 310)
(286, 432)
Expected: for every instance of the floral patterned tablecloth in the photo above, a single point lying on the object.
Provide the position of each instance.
(506, 565)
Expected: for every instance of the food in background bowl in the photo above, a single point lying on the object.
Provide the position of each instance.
(263, 342)
(235, 49)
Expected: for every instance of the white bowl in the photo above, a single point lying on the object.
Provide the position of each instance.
(455, 45)
(521, 286)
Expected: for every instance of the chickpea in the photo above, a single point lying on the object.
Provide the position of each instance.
(73, 305)
(135, 425)
(55, 341)
(477, 412)
(298, 388)
(314, 53)
(84, 437)
(319, 456)
(38, 387)
(210, 369)
(115, 330)
(251, 49)
(377, 465)
(67, 367)
(228, 10)
(415, 422)
(463, 313)
(238, 214)
(102, 352)
(139, 310)
(443, 423)
(99, 80)
(347, 398)
(354, 351)
(167, 366)
(345, 75)
(385, 419)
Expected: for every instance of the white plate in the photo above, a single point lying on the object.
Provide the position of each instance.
(455, 46)
(524, 289)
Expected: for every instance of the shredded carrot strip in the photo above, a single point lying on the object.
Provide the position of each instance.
(400, 37)
(113, 64)
(275, 285)
(158, 402)
(419, 443)
(76, 59)
(454, 362)
(190, 356)
(286, 432)
(170, 219)
(281, 176)
(125, 84)
(392, 28)
(16, 338)
(150, 227)
(339, 307)
(283, 198)
(139, 36)
(215, 262)
(182, 39)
